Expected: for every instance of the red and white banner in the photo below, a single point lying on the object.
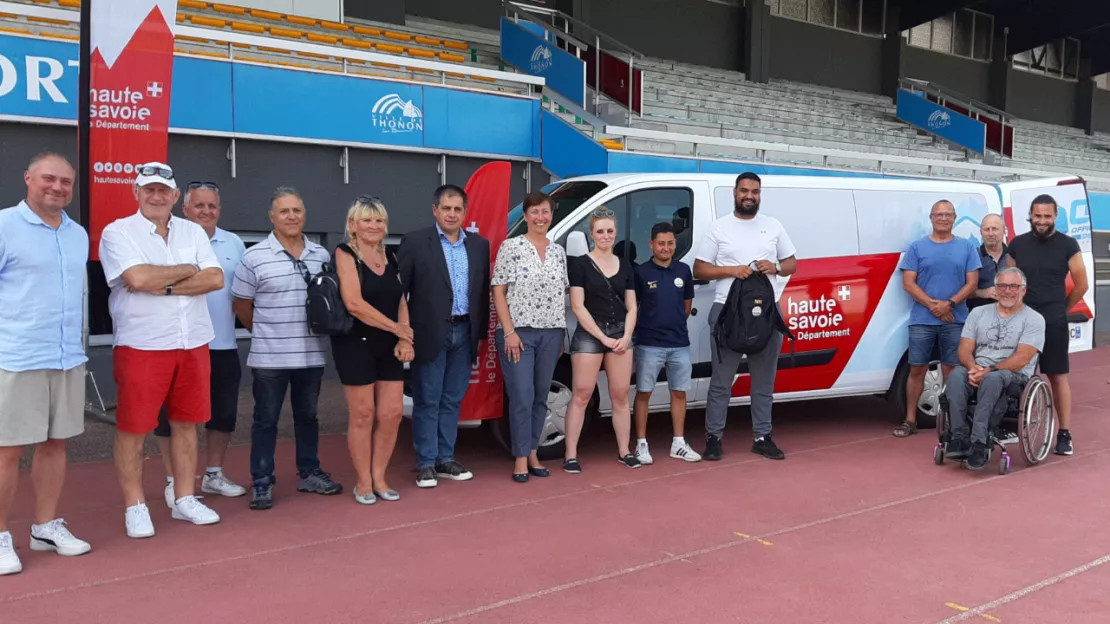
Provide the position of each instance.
(131, 66)
(487, 194)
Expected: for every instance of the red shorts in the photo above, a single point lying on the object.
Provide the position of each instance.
(148, 379)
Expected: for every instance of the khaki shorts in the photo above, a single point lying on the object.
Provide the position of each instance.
(39, 404)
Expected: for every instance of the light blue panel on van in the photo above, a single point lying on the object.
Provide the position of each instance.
(1100, 211)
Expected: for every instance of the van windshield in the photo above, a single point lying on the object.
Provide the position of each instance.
(567, 197)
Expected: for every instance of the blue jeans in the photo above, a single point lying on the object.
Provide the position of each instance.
(269, 387)
(924, 337)
(990, 402)
(438, 389)
(651, 360)
(528, 383)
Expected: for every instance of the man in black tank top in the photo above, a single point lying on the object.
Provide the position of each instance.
(1048, 257)
(445, 274)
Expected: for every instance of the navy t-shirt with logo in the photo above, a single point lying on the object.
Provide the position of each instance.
(661, 293)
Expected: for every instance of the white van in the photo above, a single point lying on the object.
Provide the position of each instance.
(845, 304)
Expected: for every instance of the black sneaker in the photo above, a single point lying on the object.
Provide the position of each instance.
(426, 477)
(629, 460)
(1063, 443)
(262, 497)
(454, 471)
(766, 447)
(957, 448)
(712, 448)
(571, 466)
(318, 482)
(978, 456)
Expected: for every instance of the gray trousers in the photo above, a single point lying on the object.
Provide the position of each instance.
(990, 402)
(762, 366)
(528, 382)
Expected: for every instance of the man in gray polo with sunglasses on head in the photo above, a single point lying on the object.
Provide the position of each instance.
(270, 289)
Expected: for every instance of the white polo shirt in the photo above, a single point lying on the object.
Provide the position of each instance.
(732, 241)
(156, 322)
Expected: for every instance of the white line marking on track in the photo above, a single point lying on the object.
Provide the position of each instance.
(1025, 591)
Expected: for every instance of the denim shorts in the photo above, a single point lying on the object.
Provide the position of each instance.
(650, 360)
(924, 337)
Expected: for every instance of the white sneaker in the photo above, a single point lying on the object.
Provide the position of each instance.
(218, 483)
(170, 496)
(138, 522)
(9, 561)
(643, 454)
(190, 508)
(684, 452)
(55, 536)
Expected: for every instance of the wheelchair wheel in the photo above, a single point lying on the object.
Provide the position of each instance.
(1036, 420)
(1004, 464)
(938, 454)
(942, 420)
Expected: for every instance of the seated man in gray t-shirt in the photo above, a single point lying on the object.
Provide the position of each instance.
(998, 347)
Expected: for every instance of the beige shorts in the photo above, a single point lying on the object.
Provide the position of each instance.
(39, 404)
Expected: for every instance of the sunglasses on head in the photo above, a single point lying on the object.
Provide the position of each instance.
(603, 212)
(368, 199)
(203, 185)
(151, 170)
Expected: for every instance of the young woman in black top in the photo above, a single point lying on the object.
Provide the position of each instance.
(369, 358)
(603, 298)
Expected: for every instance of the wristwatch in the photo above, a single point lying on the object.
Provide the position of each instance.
(994, 368)
(952, 303)
(778, 267)
(169, 289)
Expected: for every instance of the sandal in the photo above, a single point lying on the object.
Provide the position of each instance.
(905, 430)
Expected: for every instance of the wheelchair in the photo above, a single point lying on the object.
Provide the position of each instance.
(1027, 418)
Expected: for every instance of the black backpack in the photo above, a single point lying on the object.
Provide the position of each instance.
(750, 316)
(327, 316)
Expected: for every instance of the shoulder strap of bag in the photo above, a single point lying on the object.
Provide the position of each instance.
(606, 279)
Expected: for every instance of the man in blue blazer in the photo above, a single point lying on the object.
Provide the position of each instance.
(445, 274)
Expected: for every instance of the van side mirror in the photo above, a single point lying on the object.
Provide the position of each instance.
(576, 244)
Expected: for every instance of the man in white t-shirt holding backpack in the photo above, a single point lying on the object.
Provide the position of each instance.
(735, 247)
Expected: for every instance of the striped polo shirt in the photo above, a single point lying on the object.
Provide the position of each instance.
(280, 337)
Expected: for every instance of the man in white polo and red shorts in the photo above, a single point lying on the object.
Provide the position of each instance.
(159, 268)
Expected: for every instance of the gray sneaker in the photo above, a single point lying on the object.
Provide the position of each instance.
(319, 482)
(262, 497)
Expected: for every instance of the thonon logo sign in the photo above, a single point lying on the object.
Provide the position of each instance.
(939, 119)
(391, 113)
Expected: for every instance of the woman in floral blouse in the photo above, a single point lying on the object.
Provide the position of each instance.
(529, 283)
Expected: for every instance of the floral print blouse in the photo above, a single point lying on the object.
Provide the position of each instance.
(536, 289)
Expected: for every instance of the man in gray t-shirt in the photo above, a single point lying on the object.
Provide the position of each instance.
(998, 347)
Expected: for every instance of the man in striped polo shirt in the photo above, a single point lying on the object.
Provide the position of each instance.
(269, 294)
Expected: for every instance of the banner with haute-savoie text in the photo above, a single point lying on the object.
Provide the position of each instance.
(131, 68)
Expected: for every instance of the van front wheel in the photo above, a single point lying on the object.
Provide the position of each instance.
(928, 405)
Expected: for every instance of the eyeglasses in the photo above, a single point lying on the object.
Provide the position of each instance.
(943, 215)
(300, 266)
(603, 212)
(369, 199)
(1012, 287)
(203, 185)
(150, 170)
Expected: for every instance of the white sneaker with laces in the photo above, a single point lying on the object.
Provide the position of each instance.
(642, 453)
(190, 508)
(9, 561)
(218, 483)
(55, 536)
(684, 452)
(138, 521)
(170, 496)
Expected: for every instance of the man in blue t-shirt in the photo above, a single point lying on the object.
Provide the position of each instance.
(665, 291)
(940, 271)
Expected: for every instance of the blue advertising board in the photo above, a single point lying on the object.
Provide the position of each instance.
(38, 78)
(946, 123)
(564, 72)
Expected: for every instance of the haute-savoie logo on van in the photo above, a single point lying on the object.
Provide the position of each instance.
(939, 119)
(541, 59)
(394, 114)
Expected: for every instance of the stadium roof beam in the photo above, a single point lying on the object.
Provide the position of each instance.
(914, 12)
(1044, 22)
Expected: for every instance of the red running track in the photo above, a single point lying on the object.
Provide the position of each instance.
(855, 526)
